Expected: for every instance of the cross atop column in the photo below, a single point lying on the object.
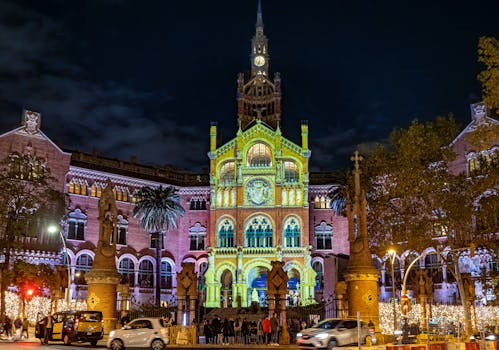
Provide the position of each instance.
(356, 158)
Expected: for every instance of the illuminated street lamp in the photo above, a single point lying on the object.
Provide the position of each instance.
(393, 254)
(53, 229)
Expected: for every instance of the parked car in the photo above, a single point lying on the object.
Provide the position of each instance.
(73, 326)
(333, 332)
(487, 335)
(146, 332)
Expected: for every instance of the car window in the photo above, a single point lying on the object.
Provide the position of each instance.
(327, 324)
(349, 324)
(140, 324)
(90, 316)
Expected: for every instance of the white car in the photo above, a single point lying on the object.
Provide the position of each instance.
(333, 332)
(146, 332)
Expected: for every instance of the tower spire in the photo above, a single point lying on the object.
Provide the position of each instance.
(259, 17)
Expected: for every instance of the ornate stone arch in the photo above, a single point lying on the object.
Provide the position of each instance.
(225, 266)
(255, 263)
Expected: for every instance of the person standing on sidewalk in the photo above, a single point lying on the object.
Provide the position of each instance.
(18, 324)
(25, 328)
(274, 328)
(266, 330)
(48, 328)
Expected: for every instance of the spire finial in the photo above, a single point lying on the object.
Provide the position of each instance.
(259, 17)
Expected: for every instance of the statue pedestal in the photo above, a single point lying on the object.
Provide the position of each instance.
(284, 338)
(184, 336)
(102, 295)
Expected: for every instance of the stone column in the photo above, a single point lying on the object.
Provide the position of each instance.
(102, 295)
(180, 310)
(192, 309)
(284, 336)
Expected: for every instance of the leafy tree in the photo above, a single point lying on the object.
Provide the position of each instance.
(415, 202)
(29, 203)
(158, 210)
(488, 53)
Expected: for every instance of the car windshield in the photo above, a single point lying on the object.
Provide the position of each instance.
(90, 317)
(327, 324)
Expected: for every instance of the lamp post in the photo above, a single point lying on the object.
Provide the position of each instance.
(54, 229)
(393, 254)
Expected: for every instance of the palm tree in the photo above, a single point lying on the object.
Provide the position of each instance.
(158, 210)
(339, 192)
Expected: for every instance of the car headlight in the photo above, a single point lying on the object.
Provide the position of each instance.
(299, 335)
(491, 337)
(472, 337)
(111, 334)
(321, 336)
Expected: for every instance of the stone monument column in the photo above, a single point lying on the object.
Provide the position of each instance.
(103, 277)
(361, 276)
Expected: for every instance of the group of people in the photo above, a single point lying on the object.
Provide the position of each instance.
(18, 328)
(229, 331)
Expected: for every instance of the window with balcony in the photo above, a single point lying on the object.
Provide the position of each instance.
(323, 236)
(76, 225)
(197, 235)
(226, 234)
(126, 269)
(291, 233)
(259, 233)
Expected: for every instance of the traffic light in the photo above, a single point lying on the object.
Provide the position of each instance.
(405, 305)
(29, 292)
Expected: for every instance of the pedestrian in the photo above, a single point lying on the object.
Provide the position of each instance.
(48, 328)
(18, 324)
(237, 330)
(208, 335)
(259, 332)
(8, 326)
(25, 328)
(232, 332)
(216, 326)
(245, 331)
(274, 328)
(124, 319)
(225, 332)
(266, 329)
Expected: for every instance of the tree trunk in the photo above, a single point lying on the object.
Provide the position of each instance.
(159, 246)
(462, 295)
(4, 283)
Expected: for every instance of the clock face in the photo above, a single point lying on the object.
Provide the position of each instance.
(259, 61)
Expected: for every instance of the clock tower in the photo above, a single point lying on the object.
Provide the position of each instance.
(259, 201)
(258, 97)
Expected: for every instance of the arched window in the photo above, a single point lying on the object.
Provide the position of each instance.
(434, 267)
(259, 233)
(227, 173)
(197, 234)
(291, 233)
(76, 225)
(259, 155)
(324, 236)
(166, 275)
(122, 229)
(83, 265)
(127, 271)
(319, 275)
(146, 274)
(290, 172)
(226, 234)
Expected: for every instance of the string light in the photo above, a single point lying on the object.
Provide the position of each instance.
(443, 315)
(38, 306)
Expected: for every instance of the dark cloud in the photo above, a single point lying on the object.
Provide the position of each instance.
(146, 78)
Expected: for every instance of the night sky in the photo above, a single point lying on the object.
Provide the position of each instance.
(146, 78)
